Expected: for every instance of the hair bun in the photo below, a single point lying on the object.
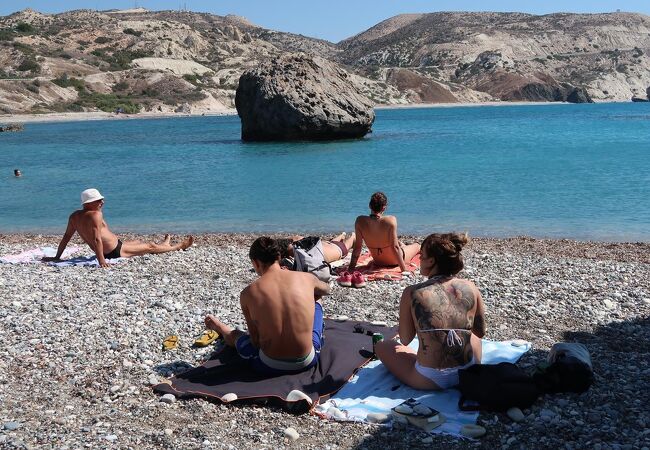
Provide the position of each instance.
(459, 240)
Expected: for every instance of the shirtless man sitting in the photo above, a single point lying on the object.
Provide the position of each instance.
(446, 313)
(89, 223)
(379, 232)
(283, 313)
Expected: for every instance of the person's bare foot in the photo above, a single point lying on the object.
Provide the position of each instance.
(167, 240)
(212, 323)
(187, 243)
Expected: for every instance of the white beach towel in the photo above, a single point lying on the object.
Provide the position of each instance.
(374, 390)
(35, 255)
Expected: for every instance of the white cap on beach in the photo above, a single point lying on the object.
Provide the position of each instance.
(90, 195)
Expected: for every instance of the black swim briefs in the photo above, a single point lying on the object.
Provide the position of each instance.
(115, 253)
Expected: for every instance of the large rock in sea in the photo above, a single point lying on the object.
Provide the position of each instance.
(298, 97)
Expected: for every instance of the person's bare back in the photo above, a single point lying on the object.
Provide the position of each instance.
(85, 222)
(283, 314)
(281, 304)
(447, 311)
(379, 232)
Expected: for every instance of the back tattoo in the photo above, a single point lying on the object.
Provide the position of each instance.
(448, 306)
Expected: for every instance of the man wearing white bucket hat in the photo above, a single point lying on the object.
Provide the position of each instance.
(89, 223)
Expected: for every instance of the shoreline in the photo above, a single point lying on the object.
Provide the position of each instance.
(638, 252)
(100, 115)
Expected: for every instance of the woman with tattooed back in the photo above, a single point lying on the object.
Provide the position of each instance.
(446, 313)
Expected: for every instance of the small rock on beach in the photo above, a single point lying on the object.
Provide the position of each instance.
(291, 434)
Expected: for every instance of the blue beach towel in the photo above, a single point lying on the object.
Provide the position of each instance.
(375, 390)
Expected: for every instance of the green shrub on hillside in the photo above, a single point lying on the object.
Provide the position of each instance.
(64, 81)
(26, 28)
(193, 78)
(122, 59)
(32, 88)
(132, 32)
(107, 102)
(177, 98)
(121, 86)
(29, 65)
(23, 48)
(102, 40)
(6, 34)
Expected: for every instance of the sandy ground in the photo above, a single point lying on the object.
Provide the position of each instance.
(81, 347)
(69, 117)
(99, 115)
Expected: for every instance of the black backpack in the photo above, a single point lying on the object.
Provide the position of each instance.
(495, 387)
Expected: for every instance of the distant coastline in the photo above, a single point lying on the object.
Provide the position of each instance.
(99, 115)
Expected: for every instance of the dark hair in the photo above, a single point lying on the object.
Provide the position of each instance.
(445, 249)
(264, 250)
(283, 246)
(377, 201)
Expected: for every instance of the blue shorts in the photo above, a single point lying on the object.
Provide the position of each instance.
(270, 366)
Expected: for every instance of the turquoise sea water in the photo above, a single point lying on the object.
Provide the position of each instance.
(575, 171)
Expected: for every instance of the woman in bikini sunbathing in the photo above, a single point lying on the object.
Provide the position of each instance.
(446, 313)
(379, 232)
(333, 250)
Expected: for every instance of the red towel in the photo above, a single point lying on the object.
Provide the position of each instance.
(374, 272)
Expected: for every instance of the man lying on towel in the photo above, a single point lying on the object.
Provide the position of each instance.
(283, 314)
(89, 223)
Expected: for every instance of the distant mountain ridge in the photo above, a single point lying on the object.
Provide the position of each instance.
(167, 61)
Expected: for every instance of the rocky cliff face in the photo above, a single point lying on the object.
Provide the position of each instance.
(142, 60)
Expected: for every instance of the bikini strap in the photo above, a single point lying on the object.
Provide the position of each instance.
(453, 339)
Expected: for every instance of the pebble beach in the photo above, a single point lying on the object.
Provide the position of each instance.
(81, 347)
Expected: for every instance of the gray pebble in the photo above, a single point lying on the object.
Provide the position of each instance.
(168, 398)
(11, 426)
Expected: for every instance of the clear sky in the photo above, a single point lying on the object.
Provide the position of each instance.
(333, 20)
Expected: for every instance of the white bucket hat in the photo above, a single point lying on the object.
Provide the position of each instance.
(90, 195)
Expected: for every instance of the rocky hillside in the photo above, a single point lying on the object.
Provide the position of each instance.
(509, 56)
(167, 61)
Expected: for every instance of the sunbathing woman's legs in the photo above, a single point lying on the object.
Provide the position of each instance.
(138, 248)
(410, 251)
(400, 361)
(333, 252)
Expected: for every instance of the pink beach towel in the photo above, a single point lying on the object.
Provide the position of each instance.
(373, 272)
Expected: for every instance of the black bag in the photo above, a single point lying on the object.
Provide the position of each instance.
(495, 387)
(568, 369)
